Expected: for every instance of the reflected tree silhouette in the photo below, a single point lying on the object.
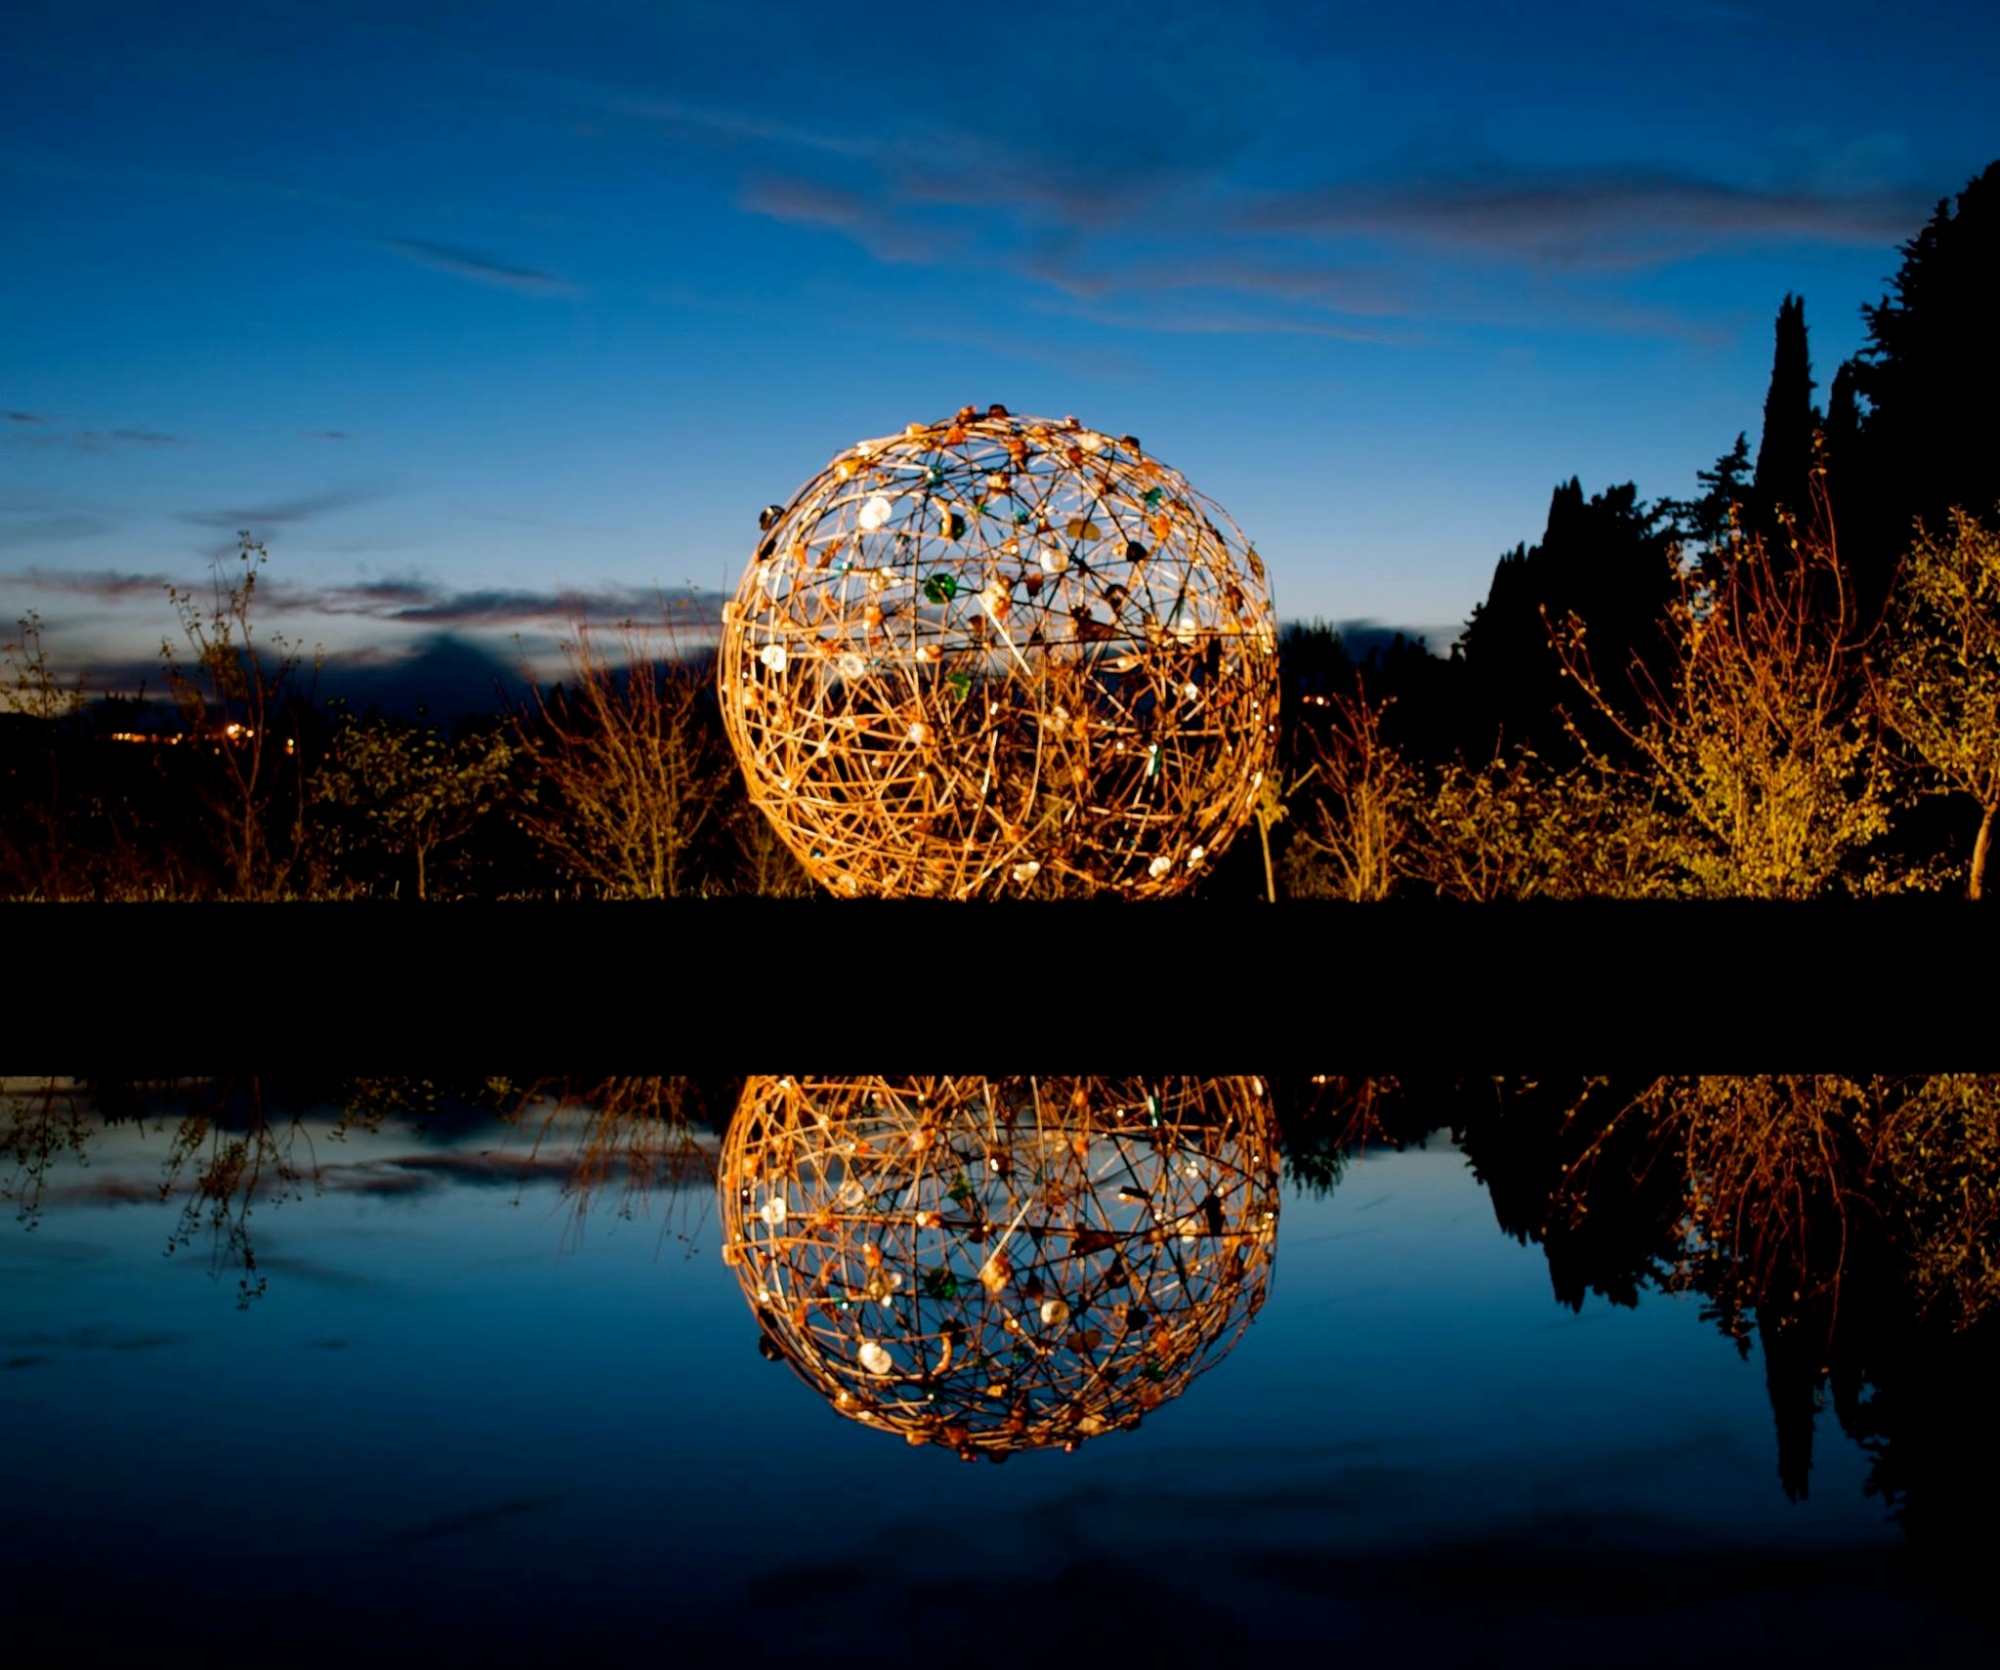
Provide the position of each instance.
(233, 1143)
(224, 1150)
(1326, 1118)
(1850, 1227)
(637, 1135)
(41, 1121)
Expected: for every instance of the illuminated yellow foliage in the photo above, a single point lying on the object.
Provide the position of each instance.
(1516, 828)
(625, 775)
(1360, 821)
(1760, 737)
(409, 791)
(1943, 685)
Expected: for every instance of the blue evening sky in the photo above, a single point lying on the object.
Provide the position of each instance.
(476, 310)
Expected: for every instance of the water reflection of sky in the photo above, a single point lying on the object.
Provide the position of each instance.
(455, 1422)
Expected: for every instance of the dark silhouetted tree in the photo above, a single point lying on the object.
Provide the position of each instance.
(1843, 423)
(1708, 522)
(1928, 374)
(1785, 453)
(1608, 562)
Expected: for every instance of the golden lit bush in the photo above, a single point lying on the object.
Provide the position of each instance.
(1942, 692)
(1516, 828)
(1363, 805)
(1761, 740)
(625, 774)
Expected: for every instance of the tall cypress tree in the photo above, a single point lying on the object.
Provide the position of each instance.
(1785, 454)
(1737, 497)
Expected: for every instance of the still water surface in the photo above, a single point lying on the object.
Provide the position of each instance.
(459, 1408)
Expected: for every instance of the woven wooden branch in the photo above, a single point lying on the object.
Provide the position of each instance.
(1001, 655)
(1001, 1264)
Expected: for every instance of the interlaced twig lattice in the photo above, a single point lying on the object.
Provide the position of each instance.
(1001, 1264)
(1001, 655)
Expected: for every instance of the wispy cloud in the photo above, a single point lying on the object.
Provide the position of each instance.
(1065, 159)
(35, 432)
(1702, 15)
(283, 512)
(1221, 294)
(1078, 196)
(479, 268)
(1369, 290)
(20, 532)
(130, 176)
(1298, 296)
(1072, 152)
(726, 122)
(470, 1520)
(1231, 321)
(1604, 218)
(867, 219)
(99, 585)
(92, 440)
(325, 435)
(689, 608)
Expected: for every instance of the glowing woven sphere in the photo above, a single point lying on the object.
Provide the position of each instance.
(1001, 1264)
(1000, 655)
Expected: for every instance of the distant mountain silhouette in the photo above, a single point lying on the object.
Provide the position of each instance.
(447, 677)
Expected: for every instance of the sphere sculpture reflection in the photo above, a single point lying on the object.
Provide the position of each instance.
(1001, 1264)
(1001, 654)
